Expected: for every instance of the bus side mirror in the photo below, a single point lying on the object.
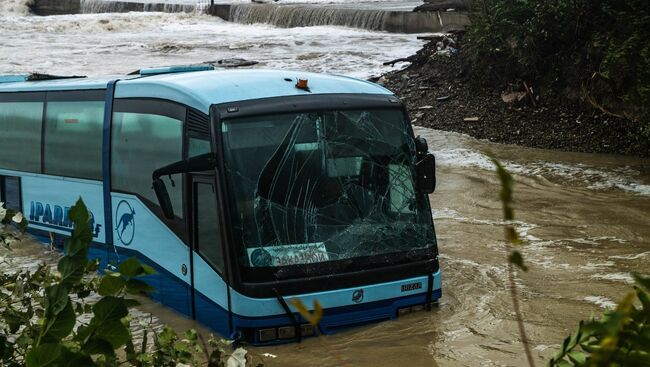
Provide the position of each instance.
(426, 167)
(426, 170)
(163, 198)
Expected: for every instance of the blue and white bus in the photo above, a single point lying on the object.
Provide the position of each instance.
(243, 189)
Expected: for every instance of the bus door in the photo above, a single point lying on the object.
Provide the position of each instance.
(209, 290)
(10, 192)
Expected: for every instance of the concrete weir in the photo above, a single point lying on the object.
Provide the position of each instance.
(313, 15)
(294, 15)
(57, 7)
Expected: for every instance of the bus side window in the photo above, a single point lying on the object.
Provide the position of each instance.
(20, 135)
(146, 136)
(73, 139)
(207, 222)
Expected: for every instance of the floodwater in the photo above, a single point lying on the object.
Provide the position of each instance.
(585, 218)
(96, 44)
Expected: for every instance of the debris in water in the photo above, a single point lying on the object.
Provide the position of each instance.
(238, 358)
(232, 63)
(470, 119)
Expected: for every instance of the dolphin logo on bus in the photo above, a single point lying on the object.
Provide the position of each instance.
(125, 219)
(56, 217)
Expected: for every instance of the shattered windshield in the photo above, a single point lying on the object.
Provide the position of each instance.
(324, 186)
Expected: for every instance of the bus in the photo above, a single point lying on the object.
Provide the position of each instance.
(244, 189)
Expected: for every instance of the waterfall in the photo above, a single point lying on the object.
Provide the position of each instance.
(304, 15)
(104, 6)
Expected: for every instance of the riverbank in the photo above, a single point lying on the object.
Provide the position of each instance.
(440, 96)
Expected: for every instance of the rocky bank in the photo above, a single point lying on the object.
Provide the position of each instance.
(439, 95)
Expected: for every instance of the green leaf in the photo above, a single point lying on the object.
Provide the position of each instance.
(115, 333)
(148, 270)
(77, 247)
(61, 325)
(109, 308)
(81, 236)
(166, 337)
(96, 346)
(135, 286)
(71, 269)
(57, 299)
(111, 285)
(517, 259)
(644, 298)
(78, 212)
(577, 357)
(130, 302)
(191, 335)
(642, 281)
(84, 332)
(75, 359)
(43, 355)
(131, 267)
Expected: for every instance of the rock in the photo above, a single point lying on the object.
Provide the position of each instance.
(443, 5)
(513, 97)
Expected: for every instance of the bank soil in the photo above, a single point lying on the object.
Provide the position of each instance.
(440, 95)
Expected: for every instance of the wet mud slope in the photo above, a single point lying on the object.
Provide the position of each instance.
(440, 96)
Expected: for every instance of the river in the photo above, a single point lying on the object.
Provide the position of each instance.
(585, 218)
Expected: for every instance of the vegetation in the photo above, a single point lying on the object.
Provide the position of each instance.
(618, 338)
(590, 50)
(515, 257)
(71, 316)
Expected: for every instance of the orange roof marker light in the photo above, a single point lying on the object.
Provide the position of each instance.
(302, 84)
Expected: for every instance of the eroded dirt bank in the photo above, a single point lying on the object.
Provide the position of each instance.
(439, 95)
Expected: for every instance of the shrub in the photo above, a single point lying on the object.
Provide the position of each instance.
(71, 316)
(590, 50)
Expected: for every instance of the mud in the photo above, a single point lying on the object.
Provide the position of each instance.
(469, 107)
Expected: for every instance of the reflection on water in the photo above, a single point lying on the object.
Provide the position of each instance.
(584, 238)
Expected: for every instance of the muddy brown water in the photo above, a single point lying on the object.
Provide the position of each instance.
(586, 222)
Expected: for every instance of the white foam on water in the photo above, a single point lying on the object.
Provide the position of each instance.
(622, 178)
(601, 301)
(631, 256)
(15, 7)
(445, 213)
(597, 266)
(117, 43)
(617, 277)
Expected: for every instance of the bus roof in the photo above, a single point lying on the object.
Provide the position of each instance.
(201, 89)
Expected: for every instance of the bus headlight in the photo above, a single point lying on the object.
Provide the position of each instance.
(266, 335)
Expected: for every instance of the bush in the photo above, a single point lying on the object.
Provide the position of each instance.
(619, 338)
(71, 316)
(590, 50)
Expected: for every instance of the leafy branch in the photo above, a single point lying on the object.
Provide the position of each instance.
(71, 316)
(514, 258)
